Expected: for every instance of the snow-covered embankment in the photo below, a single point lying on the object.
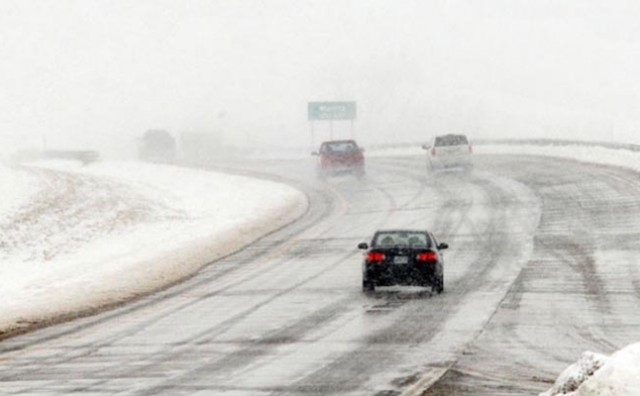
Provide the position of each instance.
(598, 375)
(75, 239)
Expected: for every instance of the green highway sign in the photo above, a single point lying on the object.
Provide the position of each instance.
(319, 111)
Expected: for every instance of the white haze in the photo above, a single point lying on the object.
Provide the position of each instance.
(97, 74)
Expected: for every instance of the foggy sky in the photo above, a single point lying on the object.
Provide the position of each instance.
(97, 74)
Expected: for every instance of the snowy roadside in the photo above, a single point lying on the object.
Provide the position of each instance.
(598, 375)
(76, 238)
(22, 188)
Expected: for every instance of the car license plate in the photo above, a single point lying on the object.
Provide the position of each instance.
(400, 260)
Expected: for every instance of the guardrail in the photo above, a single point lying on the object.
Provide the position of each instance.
(560, 142)
(516, 142)
(84, 156)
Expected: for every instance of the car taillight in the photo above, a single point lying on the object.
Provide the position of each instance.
(427, 256)
(433, 151)
(375, 256)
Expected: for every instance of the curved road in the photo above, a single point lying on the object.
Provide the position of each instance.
(542, 266)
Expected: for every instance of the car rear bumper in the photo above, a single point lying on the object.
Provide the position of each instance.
(448, 162)
(342, 168)
(393, 274)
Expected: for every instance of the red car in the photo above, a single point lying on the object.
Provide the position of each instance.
(340, 156)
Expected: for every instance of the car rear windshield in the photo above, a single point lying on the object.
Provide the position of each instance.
(401, 239)
(339, 147)
(451, 140)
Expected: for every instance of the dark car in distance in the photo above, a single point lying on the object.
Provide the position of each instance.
(403, 257)
(340, 156)
(157, 145)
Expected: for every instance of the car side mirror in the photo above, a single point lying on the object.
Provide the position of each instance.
(426, 147)
(443, 246)
(315, 153)
(363, 246)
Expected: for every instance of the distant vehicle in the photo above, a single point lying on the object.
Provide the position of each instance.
(403, 257)
(340, 156)
(448, 151)
(157, 145)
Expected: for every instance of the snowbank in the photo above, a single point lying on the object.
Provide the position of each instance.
(16, 187)
(118, 230)
(576, 374)
(597, 375)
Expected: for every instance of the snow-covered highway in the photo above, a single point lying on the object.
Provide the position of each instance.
(542, 266)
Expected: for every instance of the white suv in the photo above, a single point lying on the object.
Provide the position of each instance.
(448, 151)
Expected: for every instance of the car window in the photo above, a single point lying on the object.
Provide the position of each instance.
(451, 140)
(339, 147)
(401, 239)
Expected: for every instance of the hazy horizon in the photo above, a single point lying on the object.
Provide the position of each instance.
(98, 74)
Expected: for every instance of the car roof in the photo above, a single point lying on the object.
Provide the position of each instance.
(401, 230)
(339, 141)
(451, 135)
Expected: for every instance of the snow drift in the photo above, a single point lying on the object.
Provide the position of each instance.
(598, 375)
(76, 239)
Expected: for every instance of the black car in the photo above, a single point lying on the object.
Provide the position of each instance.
(403, 257)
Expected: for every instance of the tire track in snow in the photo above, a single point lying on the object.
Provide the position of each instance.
(566, 299)
(350, 371)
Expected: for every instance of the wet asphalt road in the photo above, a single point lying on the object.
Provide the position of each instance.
(542, 266)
